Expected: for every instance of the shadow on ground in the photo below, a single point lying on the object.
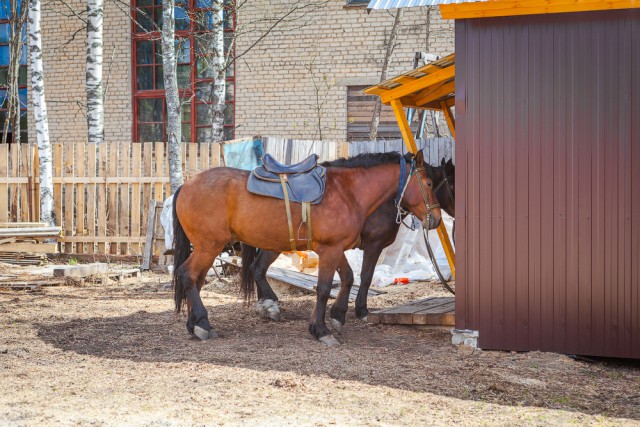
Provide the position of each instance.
(419, 360)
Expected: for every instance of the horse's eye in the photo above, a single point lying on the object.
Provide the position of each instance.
(429, 184)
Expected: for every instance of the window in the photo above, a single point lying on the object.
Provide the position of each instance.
(5, 35)
(194, 25)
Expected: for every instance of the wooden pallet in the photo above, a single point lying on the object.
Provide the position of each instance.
(435, 311)
(120, 275)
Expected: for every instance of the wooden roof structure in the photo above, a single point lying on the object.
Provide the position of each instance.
(494, 8)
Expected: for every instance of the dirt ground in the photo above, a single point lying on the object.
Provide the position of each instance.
(116, 354)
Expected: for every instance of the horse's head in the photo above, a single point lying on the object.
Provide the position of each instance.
(420, 196)
(444, 181)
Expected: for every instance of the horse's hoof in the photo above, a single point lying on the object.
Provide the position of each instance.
(202, 333)
(329, 340)
(365, 319)
(268, 309)
(336, 325)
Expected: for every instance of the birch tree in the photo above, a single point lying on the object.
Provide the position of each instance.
(95, 99)
(47, 212)
(174, 131)
(375, 120)
(219, 71)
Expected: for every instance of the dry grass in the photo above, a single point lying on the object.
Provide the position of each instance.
(116, 354)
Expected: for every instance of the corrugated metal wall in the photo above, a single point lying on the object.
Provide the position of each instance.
(548, 182)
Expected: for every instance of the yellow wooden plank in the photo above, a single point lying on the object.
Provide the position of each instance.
(419, 84)
(448, 248)
(530, 7)
(435, 94)
(403, 123)
(451, 121)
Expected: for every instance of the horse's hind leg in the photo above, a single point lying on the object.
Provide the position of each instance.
(369, 259)
(337, 315)
(267, 304)
(192, 274)
(329, 260)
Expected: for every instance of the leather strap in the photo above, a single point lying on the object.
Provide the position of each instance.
(306, 217)
(285, 192)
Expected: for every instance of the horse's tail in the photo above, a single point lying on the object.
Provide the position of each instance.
(181, 251)
(248, 284)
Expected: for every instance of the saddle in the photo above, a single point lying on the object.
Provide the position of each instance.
(303, 183)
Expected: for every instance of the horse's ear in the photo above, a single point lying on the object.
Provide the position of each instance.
(443, 163)
(419, 158)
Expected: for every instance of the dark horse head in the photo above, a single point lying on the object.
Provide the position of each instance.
(444, 179)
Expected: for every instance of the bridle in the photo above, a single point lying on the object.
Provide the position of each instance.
(404, 183)
(445, 180)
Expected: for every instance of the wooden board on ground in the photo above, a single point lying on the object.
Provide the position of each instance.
(18, 258)
(80, 271)
(434, 311)
(30, 284)
(30, 247)
(302, 280)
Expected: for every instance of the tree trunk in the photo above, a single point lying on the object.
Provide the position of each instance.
(47, 212)
(174, 130)
(375, 120)
(219, 72)
(95, 99)
(12, 120)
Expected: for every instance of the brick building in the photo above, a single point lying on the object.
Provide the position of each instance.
(294, 83)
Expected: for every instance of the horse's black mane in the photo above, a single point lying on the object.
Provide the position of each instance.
(368, 160)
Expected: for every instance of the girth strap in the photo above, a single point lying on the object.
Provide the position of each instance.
(285, 191)
(306, 217)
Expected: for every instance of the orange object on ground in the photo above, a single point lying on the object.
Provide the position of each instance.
(401, 280)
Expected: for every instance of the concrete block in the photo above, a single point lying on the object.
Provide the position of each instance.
(465, 337)
(80, 271)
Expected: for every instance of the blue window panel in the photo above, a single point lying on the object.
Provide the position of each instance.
(22, 94)
(204, 4)
(5, 33)
(182, 19)
(4, 9)
(183, 51)
(4, 55)
(24, 34)
(25, 55)
(3, 98)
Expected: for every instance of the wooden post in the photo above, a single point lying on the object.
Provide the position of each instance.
(451, 121)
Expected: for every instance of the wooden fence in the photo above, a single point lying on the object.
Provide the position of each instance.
(101, 193)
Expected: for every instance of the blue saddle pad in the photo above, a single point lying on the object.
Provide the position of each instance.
(303, 187)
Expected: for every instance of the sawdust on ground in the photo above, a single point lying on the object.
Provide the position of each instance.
(114, 354)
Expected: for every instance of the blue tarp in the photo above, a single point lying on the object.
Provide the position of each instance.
(245, 155)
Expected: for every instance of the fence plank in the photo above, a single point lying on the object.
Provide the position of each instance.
(57, 188)
(4, 188)
(91, 196)
(124, 170)
(68, 170)
(25, 194)
(193, 160)
(101, 189)
(205, 156)
(159, 170)
(136, 171)
(147, 170)
(14, 190)
(80, 163)
(215, 155)
(112, 196)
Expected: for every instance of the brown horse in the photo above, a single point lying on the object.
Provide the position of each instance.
(379, 231)
(215, 208)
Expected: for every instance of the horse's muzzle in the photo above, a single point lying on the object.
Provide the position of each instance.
(433, 222)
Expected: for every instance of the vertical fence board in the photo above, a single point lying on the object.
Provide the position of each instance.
(112, 197)
(123, 171)
(80, 163)
(25, 193)
(215, 155)
(14, 189)
(147, 161)
(193, 160)
(136, 172)
(101, 198)
(159, 171)
(4, 188)
(205, 156)
(91, 196)
(57, 187)
(68, 171)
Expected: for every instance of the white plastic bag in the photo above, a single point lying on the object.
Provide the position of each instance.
(166, 219)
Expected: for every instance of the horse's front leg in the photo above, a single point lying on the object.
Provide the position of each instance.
(338, 313)
(369, 259)
(267, 304)
(329, 260)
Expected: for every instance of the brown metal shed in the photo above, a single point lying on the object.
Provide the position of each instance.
(548, 179)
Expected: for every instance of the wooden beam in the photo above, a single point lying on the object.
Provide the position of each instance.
(451, 121)
(34, 248)
(448, 248)
(403, 123)
(435, 93)
(419, 84)
(490, 9)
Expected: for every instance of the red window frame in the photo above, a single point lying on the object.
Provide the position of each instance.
(22, 87)
(188, 92)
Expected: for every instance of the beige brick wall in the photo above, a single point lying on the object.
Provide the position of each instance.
(297, 76)
(64, 54)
